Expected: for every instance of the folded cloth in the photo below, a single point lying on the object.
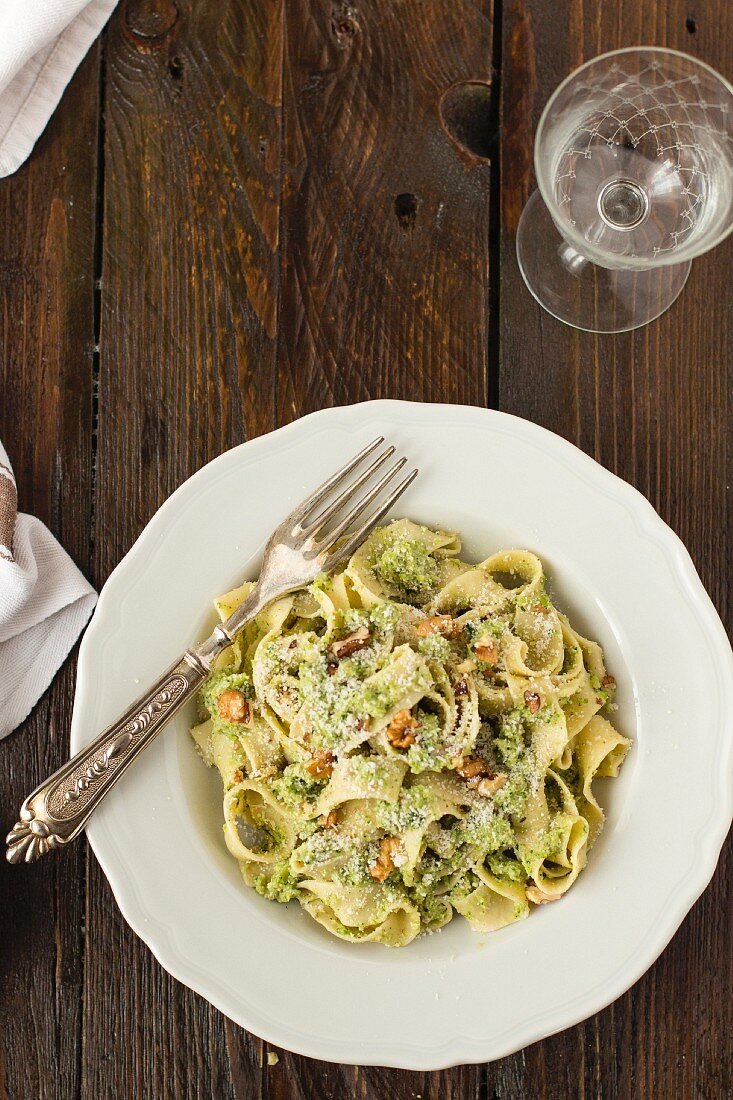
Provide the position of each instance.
(44, 603)
(42, 43)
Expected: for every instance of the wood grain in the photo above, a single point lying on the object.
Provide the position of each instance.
(385, 224)
(189, 289)
(279, 221)
(654, 407)
(47, 233)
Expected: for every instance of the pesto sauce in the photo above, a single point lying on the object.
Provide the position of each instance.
(505, 866)
(296, 785)
(277, 884)
(407, 565)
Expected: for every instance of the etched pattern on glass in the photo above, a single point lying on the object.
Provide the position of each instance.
(658, 134)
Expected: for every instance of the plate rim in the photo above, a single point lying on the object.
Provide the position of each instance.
(461, 1050)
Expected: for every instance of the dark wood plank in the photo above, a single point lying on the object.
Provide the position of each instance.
(385, 223)
(47, 225)
(652, 406)
(189, 309)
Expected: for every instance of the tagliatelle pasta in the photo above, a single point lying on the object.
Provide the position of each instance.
(411, 738)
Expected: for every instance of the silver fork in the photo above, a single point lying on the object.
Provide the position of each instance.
(303, 546)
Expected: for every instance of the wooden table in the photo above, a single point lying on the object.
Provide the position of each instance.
(244, 210)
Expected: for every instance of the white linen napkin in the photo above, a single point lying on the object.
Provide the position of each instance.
(44, 603)
(42, 43)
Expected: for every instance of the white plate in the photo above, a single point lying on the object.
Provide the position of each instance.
(456, 996)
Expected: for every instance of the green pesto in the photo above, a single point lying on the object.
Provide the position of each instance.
(435, 647)
(548, 846)
(387, 688)
(511, 741)
(408, 565)
(411, 811)
(485, 832)
(464, 886)
(505, 866)
(492, 627)
(512, 798)
(296, 785)
(432, 909)
(278, 884)
(428, 752)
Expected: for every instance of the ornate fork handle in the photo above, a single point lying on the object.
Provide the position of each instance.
(58, 809)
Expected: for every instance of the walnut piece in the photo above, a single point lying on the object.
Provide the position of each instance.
(233, 707)
(402, 729)
(471, 766)
(460, 687)
(540, 609)
(344, 647)
(488, 784)
(384, 864)
(329, 821)
(437, 624)
(608, 682)
(533, 701)
(321, 765)
(539, 897)
(486, 651)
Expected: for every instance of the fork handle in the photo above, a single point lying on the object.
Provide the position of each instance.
(58, 809)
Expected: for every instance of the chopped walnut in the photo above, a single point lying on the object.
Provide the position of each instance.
(608, 682)
(465, 667)
(539, 897)
(402, 729)
(486, 651)
(488, 785)
(460, 687)
(233, 707)
(237, 776)
(437, 624)
(384, 864)
(471, 766)
(321, 765)
(540, 609)
(533, 701)
(329, 821)
(344, 647)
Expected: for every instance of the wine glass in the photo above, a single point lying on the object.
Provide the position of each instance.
(634, 164)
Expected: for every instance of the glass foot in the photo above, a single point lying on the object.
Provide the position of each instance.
(579, 292)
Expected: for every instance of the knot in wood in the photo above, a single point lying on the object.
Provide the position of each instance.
(344, 24)
(150, 20)
(465, 115)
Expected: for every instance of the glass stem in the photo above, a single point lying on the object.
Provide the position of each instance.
(571, 259)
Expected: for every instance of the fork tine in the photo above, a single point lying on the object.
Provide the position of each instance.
(335, 506)
(302, 510)
(361, 506)
(357, 537)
